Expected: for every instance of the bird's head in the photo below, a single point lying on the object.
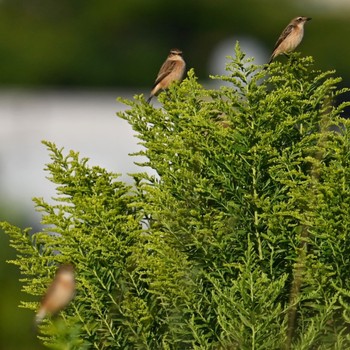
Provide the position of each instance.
(175, 52)
(300, 20)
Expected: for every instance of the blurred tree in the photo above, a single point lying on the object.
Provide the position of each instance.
(122, 43)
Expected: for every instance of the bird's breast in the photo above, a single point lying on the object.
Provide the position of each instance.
(293, 39)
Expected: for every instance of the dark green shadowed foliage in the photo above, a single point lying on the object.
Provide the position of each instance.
(242, 241)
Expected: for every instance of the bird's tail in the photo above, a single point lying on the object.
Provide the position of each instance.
(268, 63)
(40, 316)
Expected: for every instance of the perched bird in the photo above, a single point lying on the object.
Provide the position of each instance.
(59, 294)
(172, 69)
(290, 37)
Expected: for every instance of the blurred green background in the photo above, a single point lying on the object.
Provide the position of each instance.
(98, 44)
(123, 43)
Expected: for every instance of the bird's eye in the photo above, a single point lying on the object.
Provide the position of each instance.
(300, 19)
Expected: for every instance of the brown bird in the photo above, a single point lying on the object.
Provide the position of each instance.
(172, 70)
(290, 37)
(59, 293)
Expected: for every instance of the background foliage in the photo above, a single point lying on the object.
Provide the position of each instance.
(123, 43)
(242, 240)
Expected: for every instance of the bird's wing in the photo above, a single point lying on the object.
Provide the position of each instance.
(165, 69)
(284, 34)
(49, 292)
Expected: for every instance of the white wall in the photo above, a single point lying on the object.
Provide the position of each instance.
(83, 121)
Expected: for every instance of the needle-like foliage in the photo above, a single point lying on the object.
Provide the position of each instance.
(242, 240)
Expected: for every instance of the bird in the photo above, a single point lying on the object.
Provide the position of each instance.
(290, 37)
(58, 295)
(172, 70)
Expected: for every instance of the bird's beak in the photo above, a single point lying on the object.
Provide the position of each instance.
(308, 18)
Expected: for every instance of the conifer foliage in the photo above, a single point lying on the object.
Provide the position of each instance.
(242, 241)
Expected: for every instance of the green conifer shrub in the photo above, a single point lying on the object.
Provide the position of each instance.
(241, 242)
